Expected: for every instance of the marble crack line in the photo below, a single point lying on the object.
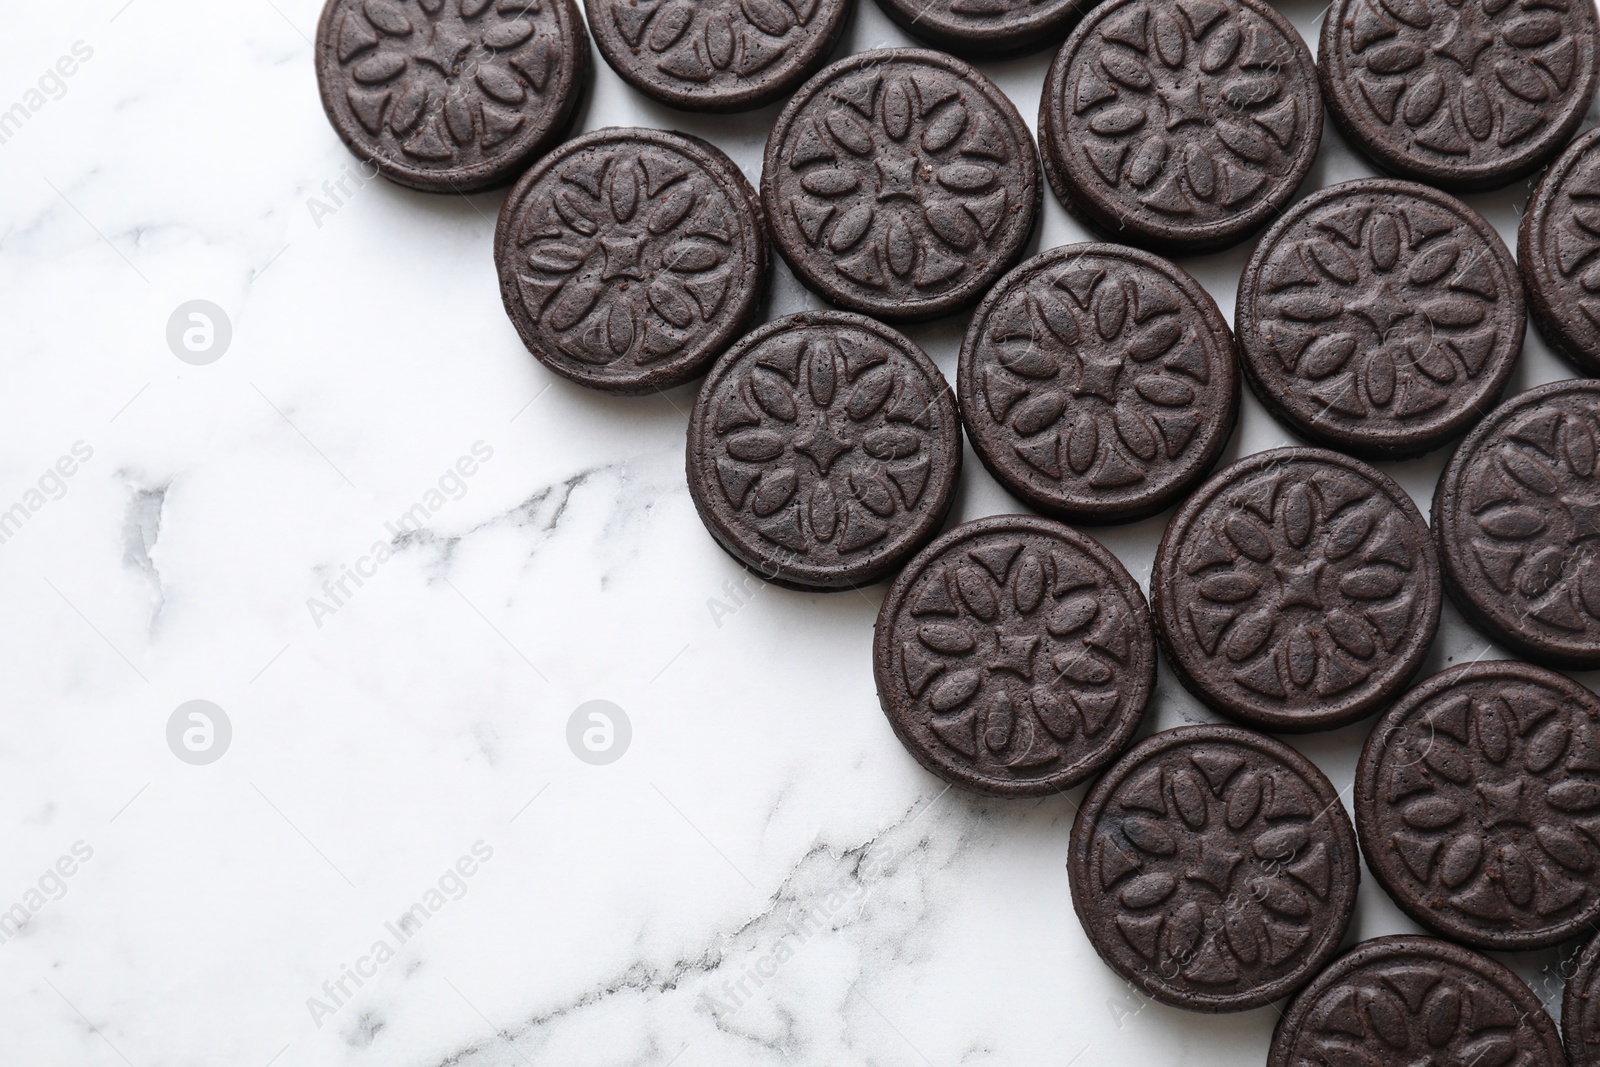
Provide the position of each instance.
(821, 863)
(536, 512)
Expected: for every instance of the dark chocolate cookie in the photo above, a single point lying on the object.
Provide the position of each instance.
(1296, 590)
(824, 450)
(716, 55)
(1014, 656)
(1462, 94)
(1181, 125)
(900, 183)
(1214, 867)
(1478, 805)
(451, 95)
(1556, 246)
(989, 29)
(1097, 382)
(1410, 1001)
(1580, 1009)
(629, 259)
(1380, 317)
(1517, 515)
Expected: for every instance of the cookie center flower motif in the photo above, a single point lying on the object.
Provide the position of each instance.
(1383, 312)
(629, 256)
(900, 179)
(1187, 109)
(447, 81)
(1535, 511)
(1096, 376)
(1220, 869)
(711, 41)
(826, 442)
(1464, 79)
(1299, 585)
(1019, 653)
(1494, 803)
(1421, 1014)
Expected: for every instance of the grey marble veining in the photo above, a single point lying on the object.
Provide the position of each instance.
(763, 877)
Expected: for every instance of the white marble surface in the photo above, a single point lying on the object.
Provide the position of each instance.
(620, 906)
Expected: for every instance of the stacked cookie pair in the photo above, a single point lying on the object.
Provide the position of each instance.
(1297, 589)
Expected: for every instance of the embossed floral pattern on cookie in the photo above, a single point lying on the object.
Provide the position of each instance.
(1517, 513)
(1014, 656)
(823, 449)
(1380, 317)
(1214, 867)
(629, 259)
(900, 183)
(1478, 800)
(1098, 382)
(1558, 251)
(1186, 124)
(1297, 589)
(1416, 1000)
(715, 55)
(987, 28)
(450, 94)
(1471, 93)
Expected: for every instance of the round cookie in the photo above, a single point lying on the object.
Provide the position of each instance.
(987, 29)
(1296, 590)
(1014, 656)
(716, 55)
(1556, 246)
(451, 96)
(1580, 1009)
(900, 183)
(1462, 94)
(823, 450)
(1517, 516)
(1407, 1001)
(629, 259)
(1477, 799)
(1097, 382)
(1182, 126)
(1214, 867)
(1380, 318)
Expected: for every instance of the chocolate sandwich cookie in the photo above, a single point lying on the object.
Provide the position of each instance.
(1214, 867)
(1296, 590)
(1462, 94)
(1580, 1009)
(900, 183)
(989, 29)
(629, 259)
(1014, 656)
(1517, 515)
(1097, 382)
(1478, 805)
(716, 55)
(1380, 317)
(1407, 1001)
(1556, 246)
(823, 450)
(451, 96)
(1180, 125)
